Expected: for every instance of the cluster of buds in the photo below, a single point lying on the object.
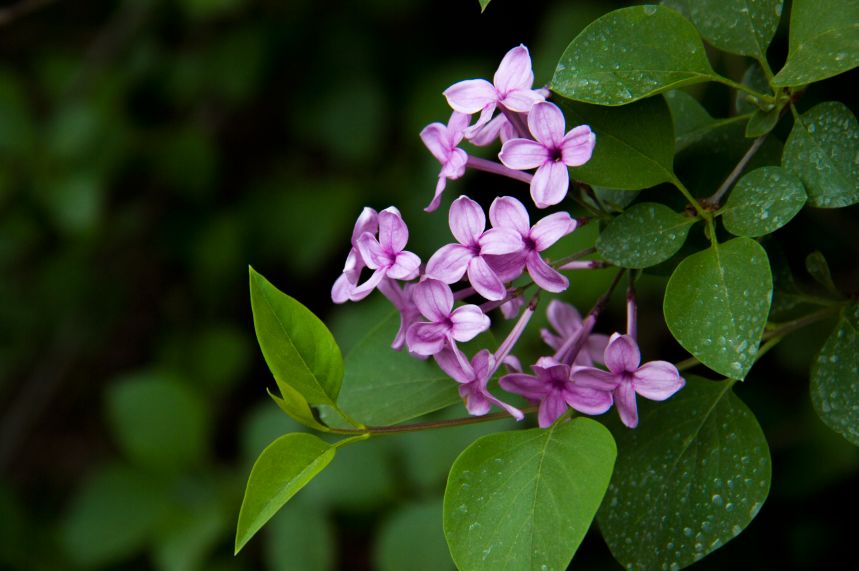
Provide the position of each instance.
(533, 137)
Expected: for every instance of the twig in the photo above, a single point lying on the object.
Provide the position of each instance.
(713, 201)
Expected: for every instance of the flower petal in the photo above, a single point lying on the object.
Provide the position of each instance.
(433, 299)
(488, 133)
(471, 95)
(368, 221)
(484, 281)
(565, 318)
(578, 146)
(454, 168)
(551, 408)
(528, 386)
(341, 289)
(449, 263)
(521, 100)
(436, 199)
(507, 212)
(622, 354)
(393, 232)
(434, 137)
(514, 71)
(546, 123)
(406, 266)
(657, 380)
(500, 241)
(507, 267)
(467, 220)
(624, 398)
(523, 154)
(544, 275)
(551, 229)
(593, 378)
(587, 400)
(476, 402)
(550, 184)
(363, 290)
(596, 345)
(468, 322)
(373, 254)
(456, 126)
(426, 338)
(449, 363)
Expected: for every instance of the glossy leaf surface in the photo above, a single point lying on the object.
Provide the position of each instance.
(644, 235)
(763, 201)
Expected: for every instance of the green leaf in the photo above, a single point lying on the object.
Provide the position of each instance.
(184, 543)
(818, 269)
(823, 151)
(743, 27)
(755, 78)
(484, 4)
(283, 468)
(644, 235)
(412, 539)
(635, 143)
(299, 349)
(294, 405)
(763, 201)
(835, 377)
(691, 477)
(300, 538)
(524, 499)
(384, 386)
(629, 54)
(716, 304)
(762, 122)
(824, 41)
(691, 120)
(160, 424)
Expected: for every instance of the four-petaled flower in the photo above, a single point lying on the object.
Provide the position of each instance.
(451, 262)
(446, 325)
(386, 255)
(567, 321)
(442, 141)
(551, 153)
(368, 221)
(472, 384)
(655, 380)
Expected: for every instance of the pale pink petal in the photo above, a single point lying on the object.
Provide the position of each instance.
(512, 363)
(484, 281)
(434, 137)
(471, 95)
(593, 378)
(354, 262)
(363, 290)
(507, 267)
(546, 123)
(467, 220)
(551, 339)
(450, 364)
(449, 263)
(551, 408)
(436, 199)
(368, 221)
(511, 410)
(488, 133)
(565, 318)
(476, 402)
(455, 166)
(514, 71)
(622, 354)
(510, 308)
(499, 241)
(578, 146)
(483, 119)
(468, 322)
(507, 212)
(426, 338)
(551, 229)
(342, 289)
(550, 184)
(374, 255)
(523, 154)
(544, 275)
(587, 400)
(521, 100)
(456, 125)
(596, 345)
(482, 363)
(624, 398)
(657, 380)
(406, 266)
(528, 386)
(393, 233)
(433, 299)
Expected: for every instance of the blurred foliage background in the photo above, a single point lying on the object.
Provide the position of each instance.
(149, 151)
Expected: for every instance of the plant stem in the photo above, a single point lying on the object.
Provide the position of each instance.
(431, 425)
(576, 256)
(714, 200)
(485, 165)
(741, 87)
(701, 212)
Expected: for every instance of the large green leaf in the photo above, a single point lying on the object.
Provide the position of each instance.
(524, 499)
(716, 304)
(743, 27)
(383, 386)
(824, 41)
(282, 469)
(644, 235)
(763, 201)
(412, 538)
(691, 477)
(299, 349)
(823, 151)
(835, 377)
(635, 143)
(629, 54)
(691, 120)
(300, 538)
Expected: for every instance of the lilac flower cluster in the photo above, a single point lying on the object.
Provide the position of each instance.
(432, 322)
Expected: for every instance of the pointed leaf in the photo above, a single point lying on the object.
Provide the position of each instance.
(743, 27)
(763, 201)
(282, 469)
(644, 235)
(762, 122)
(294, 405)
(524, 499)
(635, 143)
(835, 377)
(716, 304)
(629, 54)
(297, 346)
(824, 41)
(755, 78)
(691, 477)
(823, 151)
(818, 269)
(691, 120)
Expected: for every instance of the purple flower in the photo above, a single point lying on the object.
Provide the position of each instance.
(473, 382)
(486, 134)
(386, 254)
(511, 89)
(402, 299)
(655, 380)
(442, 141)
(507, 212)
(451, 262)
(368, 221)
(555, 389)
(551, 153)
(567, 321)
(446, 325)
